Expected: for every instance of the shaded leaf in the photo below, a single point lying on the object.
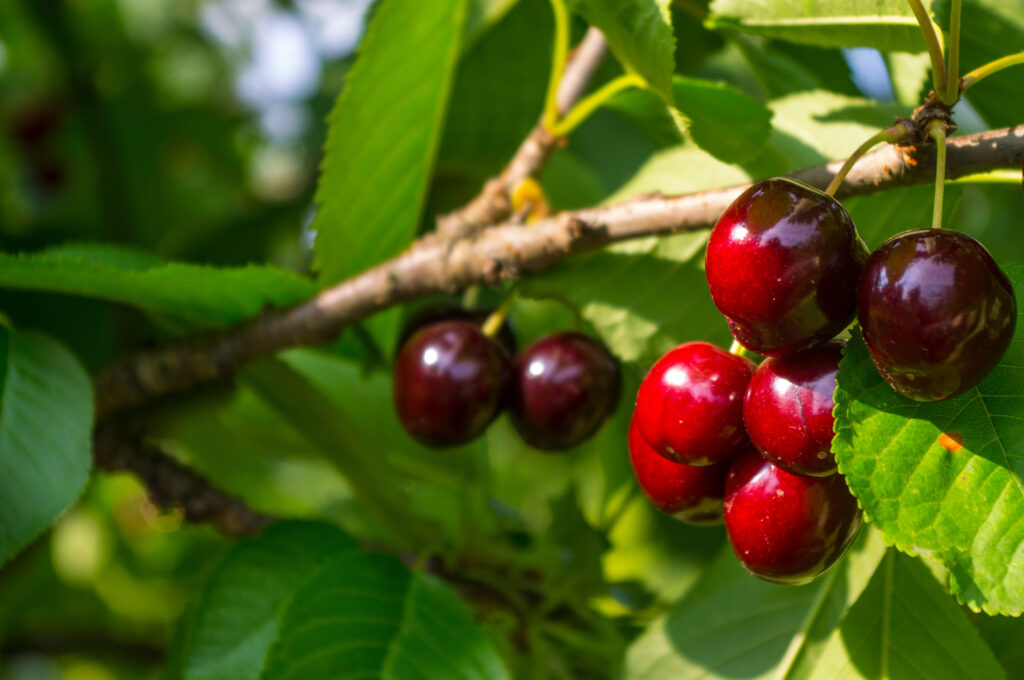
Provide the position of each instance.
(241, 606)
(191, 296)
(364, 615)
(734, 625)
(905, 627)
(45, 435)
(722, 120)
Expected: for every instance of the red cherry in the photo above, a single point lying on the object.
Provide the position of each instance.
(786, 528)
(782, 264)
(564, 387)
(788, 409)
(690, 406)
(450, 382)
(691, 494)
(936, 312)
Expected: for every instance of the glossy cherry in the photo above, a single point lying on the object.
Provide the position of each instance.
(432, 314)
(450, 382)
(690, 406)
(787, 528)
(788, 409)
(936, 312)
(692, 494)
(782, 264)
(564, 387)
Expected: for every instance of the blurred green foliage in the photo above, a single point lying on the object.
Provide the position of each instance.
(135, 122)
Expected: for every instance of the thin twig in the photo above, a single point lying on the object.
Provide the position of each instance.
(503, 252)
(492, 205)
(173, 485)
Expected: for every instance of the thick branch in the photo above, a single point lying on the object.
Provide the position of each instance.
(493, 204)
(505, 252)
(172, 485)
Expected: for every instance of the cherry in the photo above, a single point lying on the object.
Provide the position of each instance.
(690, 406)
(564, 386)
(782, 264)
(447, 312)
(788, 409)
(936, 312)
(786, 528)
(450, 382)
(691, 494)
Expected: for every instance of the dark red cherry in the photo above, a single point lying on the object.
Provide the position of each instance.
(936, 312)
(445, 312)
(691, 494)
(690, 406)
(786, 528)
(782, 264)
(450, 382)
(564, 387)
(788, 409)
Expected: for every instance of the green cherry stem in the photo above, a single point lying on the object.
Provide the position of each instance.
(891, 135)
(737, 349)
(937, 130)
(493, 323)
(992, 67)
(593, 101)
(952, 92)
(931, 39)
(559, 58)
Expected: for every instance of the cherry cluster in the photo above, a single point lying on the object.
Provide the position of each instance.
(452, 380)
(713, 437)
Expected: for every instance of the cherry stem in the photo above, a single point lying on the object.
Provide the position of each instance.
(493, 323)
(952, 92)
(891, 135)
(737, 349)
(591, 102)
(560, 56)
(990, 68)
(931, 39)
(937, 130)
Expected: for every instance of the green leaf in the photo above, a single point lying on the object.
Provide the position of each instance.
(384, 132)
(639, 33)
(643, 297)
(364, 615)
(731, 625)
(992, 29)
(498, 93)
(193, 297)
(722, 120)
(905, 627)
(887, 25)
(243, 601)
(961, 504)
(45, 434)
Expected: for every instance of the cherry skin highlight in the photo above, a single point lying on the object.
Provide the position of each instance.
(432, 314)
(690, 406)
(788, 409)
(450, 382)
(564, 387)
(936, 312)
(694, 495)
(782, 264)
(785, 528)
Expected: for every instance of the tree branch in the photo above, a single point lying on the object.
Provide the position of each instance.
(493, 204)
(504, 251)
(173, 485)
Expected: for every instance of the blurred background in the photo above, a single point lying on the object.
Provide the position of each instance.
(191, 130)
